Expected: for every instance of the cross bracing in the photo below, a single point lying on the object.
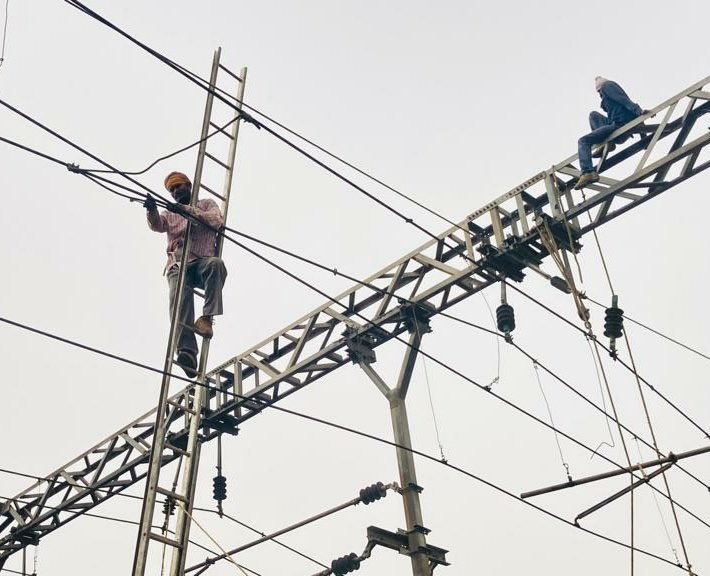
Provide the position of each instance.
(501, 239)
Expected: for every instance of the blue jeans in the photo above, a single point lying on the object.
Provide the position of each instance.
(601, 129)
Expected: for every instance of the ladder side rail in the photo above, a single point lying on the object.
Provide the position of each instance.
(604, 194)
(191, 462)
(156, 454)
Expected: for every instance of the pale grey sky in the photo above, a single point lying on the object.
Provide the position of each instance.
(453, 103)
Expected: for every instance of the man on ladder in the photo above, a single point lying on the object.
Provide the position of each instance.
(204, 269)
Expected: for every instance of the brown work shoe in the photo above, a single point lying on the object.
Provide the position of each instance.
(203, 326)
(586, 178)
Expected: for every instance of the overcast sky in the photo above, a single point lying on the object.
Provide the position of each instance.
(453, 103)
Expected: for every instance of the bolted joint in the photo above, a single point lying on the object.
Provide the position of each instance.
(416, 315)
(360, 347)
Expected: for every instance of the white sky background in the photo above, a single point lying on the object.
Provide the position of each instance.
(453, 103)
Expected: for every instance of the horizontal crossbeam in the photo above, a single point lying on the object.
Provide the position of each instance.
(500, 238)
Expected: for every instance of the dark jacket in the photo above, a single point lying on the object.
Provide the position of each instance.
(616, 103)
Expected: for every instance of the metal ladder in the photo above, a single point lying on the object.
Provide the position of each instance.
(209, 166)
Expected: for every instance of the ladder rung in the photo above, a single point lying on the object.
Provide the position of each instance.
(169, 446)
(170, 494)
(222, 130)
(181, 407)
(212, 192)
(165, 540)
(232, 74)
(218, 161)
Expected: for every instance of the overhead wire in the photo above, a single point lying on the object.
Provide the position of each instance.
(294, 276)
(653, 330)
(645, 409)
(335, 425)
(133, 497)
(296, 256)
(408, 220)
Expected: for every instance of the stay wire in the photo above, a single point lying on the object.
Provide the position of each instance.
(645, 407)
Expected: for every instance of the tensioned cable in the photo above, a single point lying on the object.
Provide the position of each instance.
(645, 408)
(619, 360)
(654, 331)
(131, 496)
(293, 255)
(115, 519)
(334, 270)
(406, 219)
(360, 433)
(205, 86)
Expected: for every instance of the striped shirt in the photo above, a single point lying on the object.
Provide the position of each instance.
(203, 240)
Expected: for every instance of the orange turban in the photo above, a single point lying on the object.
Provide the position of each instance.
(175, 178)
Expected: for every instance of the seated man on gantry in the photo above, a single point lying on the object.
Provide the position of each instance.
(204, 269)
(620, 110)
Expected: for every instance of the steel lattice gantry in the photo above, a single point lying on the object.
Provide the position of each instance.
(501, 239)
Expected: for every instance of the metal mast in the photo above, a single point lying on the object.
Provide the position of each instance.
(193, 404)
(500, 238)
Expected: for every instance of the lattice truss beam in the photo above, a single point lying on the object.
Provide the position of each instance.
(501, 238)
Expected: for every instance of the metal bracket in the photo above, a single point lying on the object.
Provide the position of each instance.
(416, 316)
(400, 543)
(360, 347)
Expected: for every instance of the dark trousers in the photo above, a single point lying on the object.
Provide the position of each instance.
(602, 128)
(209, 274)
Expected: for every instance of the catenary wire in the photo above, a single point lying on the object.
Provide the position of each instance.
(619, 360)
(382, 440)
(205, 85)
(408, 220)
(117, 520)
(334, 270)
(302, 259)
(133, 497)
(654, 331)
(201, 82)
